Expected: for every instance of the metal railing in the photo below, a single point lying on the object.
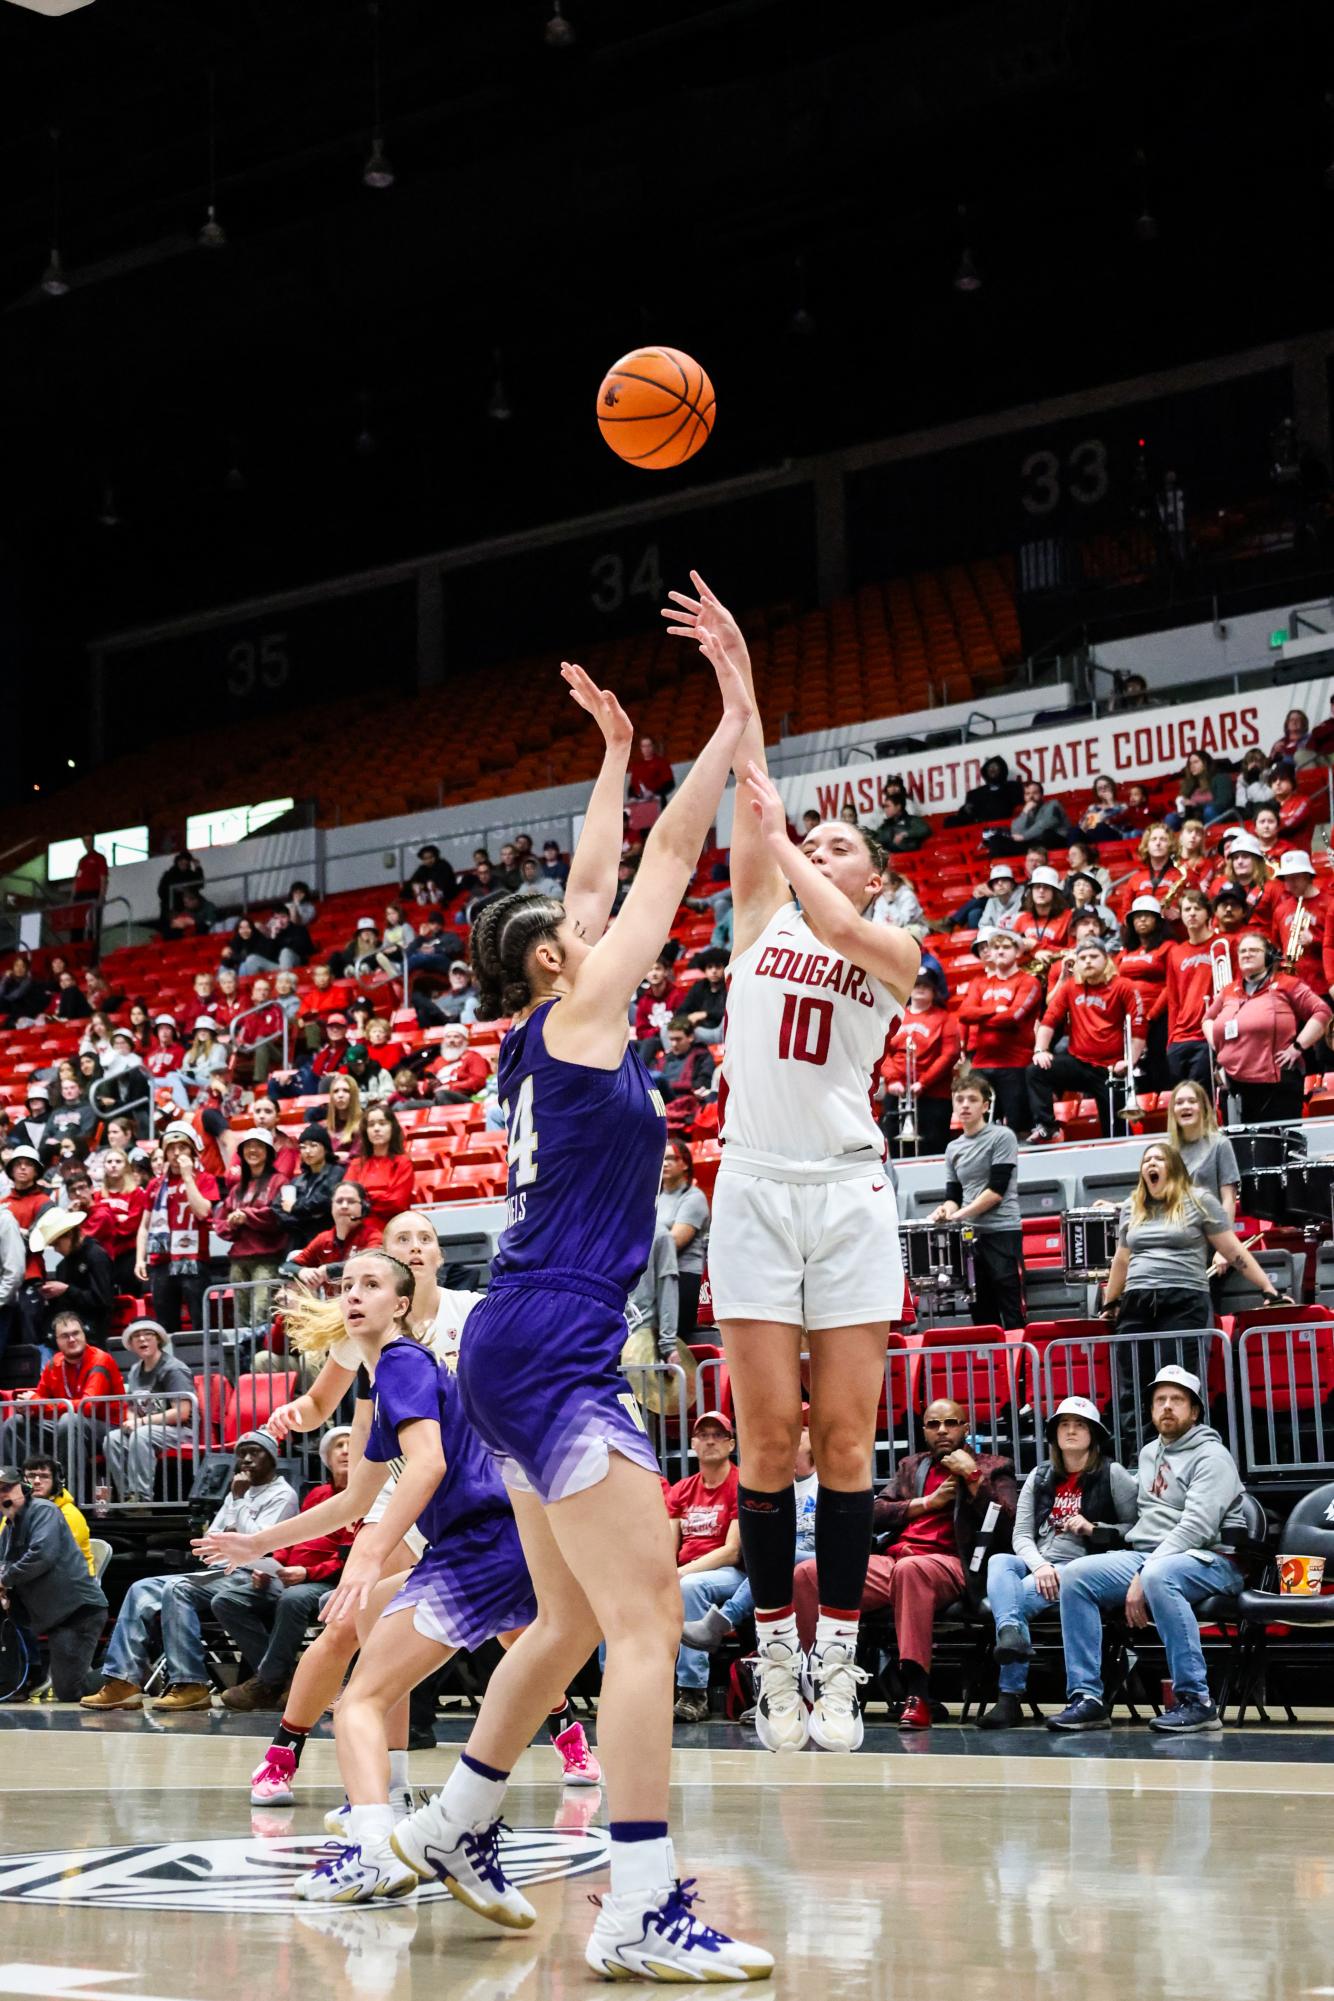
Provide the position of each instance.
(264, 1040)
(1286, 1379)
(237, 1397)
(1114, 1371)
(78, 1435)
(659, 1399)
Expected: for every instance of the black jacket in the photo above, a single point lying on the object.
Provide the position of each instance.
(19, 997)
(44, 1570)
(90, 1276)
(311, 1210)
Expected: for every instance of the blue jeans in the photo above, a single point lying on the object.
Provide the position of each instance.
(1173, 1586)
(174, 1604)
(699, 1590)
(1015, 1601)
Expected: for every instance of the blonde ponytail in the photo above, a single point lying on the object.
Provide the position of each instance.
(311, 1325)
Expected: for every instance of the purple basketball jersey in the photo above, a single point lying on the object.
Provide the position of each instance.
(585, 1161)
(411, 1384)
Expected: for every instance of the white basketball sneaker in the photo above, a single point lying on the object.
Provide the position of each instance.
(653, 1935)
(832, 1680)
(781, 1722)
(356, 1875)
(338, 1822)
(466, 1860)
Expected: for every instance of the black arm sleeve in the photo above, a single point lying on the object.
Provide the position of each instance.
(1000, 1178)
(954, 1193)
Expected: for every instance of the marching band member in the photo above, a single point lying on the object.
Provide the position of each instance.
(1144, 964)
(1157, 871)
(1300, 919)
(998, 1015)
(1044, 920)
(927, 1037)
(1198, 967)
(1248, 871)
(1095, 1004)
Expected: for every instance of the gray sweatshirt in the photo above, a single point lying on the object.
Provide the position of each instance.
(1189, 1496)
(1056, 1545)
(44, 1569)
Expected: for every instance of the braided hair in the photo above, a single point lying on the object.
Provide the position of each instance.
(502, 937)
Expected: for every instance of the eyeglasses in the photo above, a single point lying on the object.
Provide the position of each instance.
(943, 1423)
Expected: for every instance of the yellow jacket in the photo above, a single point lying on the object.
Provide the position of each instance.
(78, 1527)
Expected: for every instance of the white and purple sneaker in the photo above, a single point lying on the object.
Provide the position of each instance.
(655, 1936)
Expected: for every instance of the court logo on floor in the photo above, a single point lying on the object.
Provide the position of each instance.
(248, 1875)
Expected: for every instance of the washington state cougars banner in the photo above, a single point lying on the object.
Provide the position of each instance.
(1145, 743)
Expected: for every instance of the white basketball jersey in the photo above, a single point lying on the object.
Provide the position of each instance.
(442, 1340)
(803, 1035)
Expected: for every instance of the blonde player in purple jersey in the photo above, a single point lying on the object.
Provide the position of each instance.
(804, 1234)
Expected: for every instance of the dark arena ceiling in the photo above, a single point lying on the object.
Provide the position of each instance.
(189, 424)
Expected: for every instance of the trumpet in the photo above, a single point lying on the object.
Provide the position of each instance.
(1221, 963)
(907, 1117)
(1299, 935)
(1132, 1103)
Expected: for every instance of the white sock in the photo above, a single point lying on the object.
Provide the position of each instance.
(836, 1632)
(640, 1866)
(777, 1633)
(398, 1769)
(469, 1800)
(371, 1826)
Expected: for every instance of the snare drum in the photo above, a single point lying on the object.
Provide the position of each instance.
(1259, 1147)
(1088, 1237)
(937, 1256)
(1310, 1189)
(1264, 1193)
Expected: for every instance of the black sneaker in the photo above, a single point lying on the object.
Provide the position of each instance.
(1084, 1713)
(692, 1705)
(1012, 1644)
(1006, 1713)
(1192, 1713)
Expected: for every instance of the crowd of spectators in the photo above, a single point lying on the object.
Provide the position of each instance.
(1203, 957)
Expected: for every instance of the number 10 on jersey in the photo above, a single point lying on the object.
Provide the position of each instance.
(804, 1031)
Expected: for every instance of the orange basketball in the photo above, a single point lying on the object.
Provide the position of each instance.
(655, 407)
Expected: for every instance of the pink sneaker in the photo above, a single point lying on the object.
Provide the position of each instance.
(581, 1767)
(271, 1783)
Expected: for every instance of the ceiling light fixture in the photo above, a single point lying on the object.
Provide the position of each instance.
(54, 282)
(802, 322)
(1146, 222)
(558, 33)
(377, 172)
(53, 9)
(499, 408)
(212, 236)
(967, 277)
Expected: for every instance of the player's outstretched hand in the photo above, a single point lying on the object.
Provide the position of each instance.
(361, 1574)
(705, 620)
(766, 804)
(601, 704)
(229, 1545)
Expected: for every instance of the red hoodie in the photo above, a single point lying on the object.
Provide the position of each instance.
(1096, 1016)
(1001, 1015)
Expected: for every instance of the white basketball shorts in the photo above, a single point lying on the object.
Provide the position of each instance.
(809, 1253)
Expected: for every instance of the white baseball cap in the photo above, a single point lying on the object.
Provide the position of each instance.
(1149, 904)
(1000, 869)
(1171, 1372)
(1078, 1407)
(206, 1021)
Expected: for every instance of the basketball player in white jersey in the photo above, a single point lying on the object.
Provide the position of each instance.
(804, 1234)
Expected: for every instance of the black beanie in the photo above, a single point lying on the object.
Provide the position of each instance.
(319, 1133)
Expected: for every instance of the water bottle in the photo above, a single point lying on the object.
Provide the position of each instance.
(101, 1502)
